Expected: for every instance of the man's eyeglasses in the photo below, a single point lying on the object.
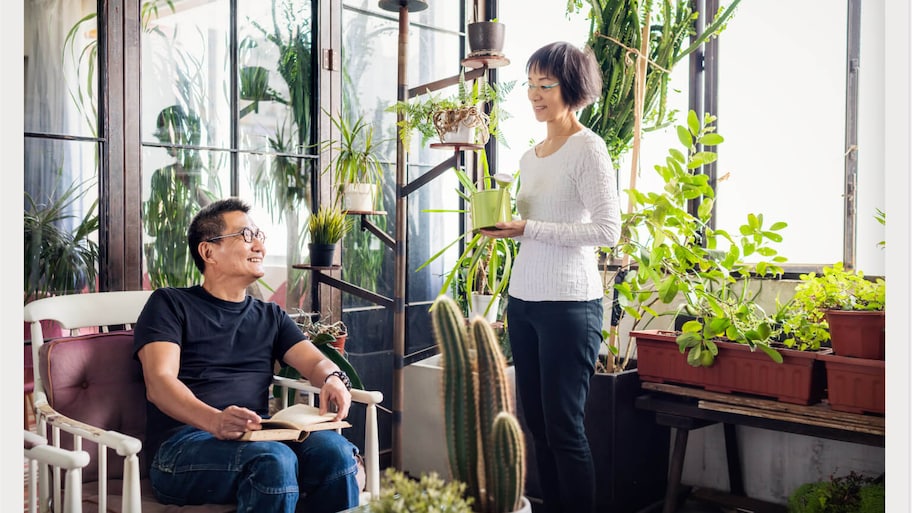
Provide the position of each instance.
(532, 87)
(248, 234)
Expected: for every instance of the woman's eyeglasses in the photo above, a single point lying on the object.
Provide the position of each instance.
(548, 87)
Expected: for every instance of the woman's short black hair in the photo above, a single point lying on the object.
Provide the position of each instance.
(577, 71)
(209, 223)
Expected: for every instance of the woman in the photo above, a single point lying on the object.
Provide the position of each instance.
(568, 204)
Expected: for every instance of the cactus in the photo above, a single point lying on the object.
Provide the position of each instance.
(484, 441)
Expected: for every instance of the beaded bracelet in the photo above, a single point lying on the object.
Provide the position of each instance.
(342, 376)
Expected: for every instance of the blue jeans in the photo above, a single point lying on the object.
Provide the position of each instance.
(194, 467)
(555, 345)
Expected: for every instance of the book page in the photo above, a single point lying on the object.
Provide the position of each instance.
(302, 415)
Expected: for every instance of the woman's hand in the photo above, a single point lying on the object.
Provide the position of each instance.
(506, 230)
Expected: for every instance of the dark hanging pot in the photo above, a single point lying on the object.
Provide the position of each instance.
(321, 255)
(486, 38)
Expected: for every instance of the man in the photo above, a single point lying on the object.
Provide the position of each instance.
(207, 355)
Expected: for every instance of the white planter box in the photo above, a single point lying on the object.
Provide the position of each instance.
(424, 448)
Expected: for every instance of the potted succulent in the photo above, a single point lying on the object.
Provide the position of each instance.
(485, 444)
(356, 166)
(456, 119)
(428, 494)
(852, 493)
(329, 337)
(326, 227)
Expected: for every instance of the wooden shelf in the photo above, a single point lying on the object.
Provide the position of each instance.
(364, 212)
(457, 146)
(485, 61)
(316, 267)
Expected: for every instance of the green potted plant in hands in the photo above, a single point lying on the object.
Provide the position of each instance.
(327, 226)
(356, 166)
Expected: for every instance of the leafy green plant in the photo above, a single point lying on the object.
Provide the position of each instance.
(419, 113)
(357, 153)
(322, 334)
(617, 27)
(803, 317)
(676, 254)
(852, 493)
(328, 225)
(429, 494)
(59, 260)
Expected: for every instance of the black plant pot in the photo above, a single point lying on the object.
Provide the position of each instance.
(630, 450)
(486, 37)
(321, 255)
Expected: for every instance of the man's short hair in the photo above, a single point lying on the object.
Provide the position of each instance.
(576, 70)
(209, 223)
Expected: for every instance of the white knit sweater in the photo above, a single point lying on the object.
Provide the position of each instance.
(569, 200)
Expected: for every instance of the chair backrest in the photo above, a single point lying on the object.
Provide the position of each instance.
(91, 378)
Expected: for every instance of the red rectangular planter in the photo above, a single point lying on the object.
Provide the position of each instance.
(799, 379)
(855, 385)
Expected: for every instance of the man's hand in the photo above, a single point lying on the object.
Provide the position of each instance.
(232, 422)
(335, 393)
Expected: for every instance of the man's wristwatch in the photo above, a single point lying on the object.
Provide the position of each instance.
(342, 376)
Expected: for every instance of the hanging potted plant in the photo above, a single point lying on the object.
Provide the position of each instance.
(326, 227)
(458, 119)
(486, 38)
(356, 166)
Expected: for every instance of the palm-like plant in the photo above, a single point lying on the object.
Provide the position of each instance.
(57, 260)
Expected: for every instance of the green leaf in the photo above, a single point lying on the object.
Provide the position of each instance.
(772, 353)
(693, 122)
(711, 140)
(684, 136)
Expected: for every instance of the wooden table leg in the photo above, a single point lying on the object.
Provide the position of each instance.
(675, 469)
(733, 459)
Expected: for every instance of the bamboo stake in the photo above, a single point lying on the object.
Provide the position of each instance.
(639, 98)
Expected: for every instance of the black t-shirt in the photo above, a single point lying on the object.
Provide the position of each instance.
(228, 350)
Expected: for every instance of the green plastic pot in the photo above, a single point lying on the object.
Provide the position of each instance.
(490, 207)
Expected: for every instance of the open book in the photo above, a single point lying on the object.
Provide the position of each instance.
(294, 423)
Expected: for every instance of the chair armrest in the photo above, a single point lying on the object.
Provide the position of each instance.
(124, 445)
(37, 448)
(370, 399)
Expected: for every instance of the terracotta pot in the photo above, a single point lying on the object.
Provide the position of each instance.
(855, 385)
(799, 379)
(339, 344)
(857, 333)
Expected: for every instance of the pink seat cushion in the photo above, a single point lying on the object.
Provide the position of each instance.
(95, 379)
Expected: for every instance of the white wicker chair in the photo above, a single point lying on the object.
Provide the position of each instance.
(96, 376)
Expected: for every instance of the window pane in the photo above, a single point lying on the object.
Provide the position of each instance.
(60, 257)
(179, 183)
(184, 65)
(275, 76)
(782, 113)
(60, 51)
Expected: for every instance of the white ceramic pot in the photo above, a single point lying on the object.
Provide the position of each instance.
(480, 303)
(361, 197)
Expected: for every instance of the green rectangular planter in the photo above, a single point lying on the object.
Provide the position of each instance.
(490, 207)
